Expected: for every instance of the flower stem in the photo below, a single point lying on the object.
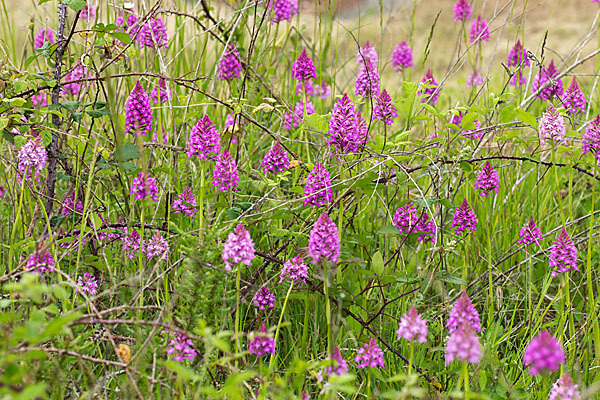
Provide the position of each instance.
(287, 296)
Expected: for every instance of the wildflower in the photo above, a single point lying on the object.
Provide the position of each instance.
(87, 283)
(294, 270)
(480, 30)
(317, 190)
(304, 69)
(69, 205)
(2, 191)
(230, 65)
(555, 88)
(261, 343)
(128, 26)
(591, 139)
(338, 365)
(347, 129)
(463, 345)
(407, 220)
(32, 158)
(487, 179)
(530, 233)
(544, 352)
(282, 10)
(239, 248)
(552, 127)
(367, 54)
(473, 134)
(312, 89)
(402, 56)
(431, 91)
(204, 139)
(294, 118)
(43, 36)
(185, 203)
(157, 247)
(517, 57)
(276, 159)
(464, 218)
(39, 100)
(144, 185)
(40, 262)
(563, 255)
(474, 80)
(412, 327)
(463, 312)
(88, 12)
(180, 347)
(367, 81)
(138, 116)
(153, 34)
(160, 93)
(564, 389)
(370, 355)
(131, 243)
(264, 298)
(78, 72)
(225, 175)
(324, 240)
(462, 10)
(230, 123)
(573, 98)
(384, 110)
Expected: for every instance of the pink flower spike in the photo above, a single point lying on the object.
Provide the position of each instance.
(324, 241)
(294, 270)
(431, 91)
(185, 203)
(563, 255)
(384, 110)
(480, 30)
(263, 299)
(367, 54)
(573, 98)
(304, 69)
(402, 57)
(464, 218)
(463, 312)
(138, 116)
(530, 233)
(317, 190)
(412, 327)
(463, 345)
(544, 352)
(144, 185)
(230, 65)
(591, 139)
(239, 248)
(487, 179)
(564, 388)
(225, 174)
(204, 141)
(370, 356)
(276, 160)
(261, 343)
(43, 36)
(367, 81)
(462, 10)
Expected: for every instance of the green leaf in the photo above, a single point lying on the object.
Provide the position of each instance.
(317, 122)
(388, 230)
(527, 118)
(122, 36)
(377, 264)
(127, 152)
(183, 372)
(70, 105)
(46, 137)
(76, 5)
(3, 123)
(98, 113)
(507, 114)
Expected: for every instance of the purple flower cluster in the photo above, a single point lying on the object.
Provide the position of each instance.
(347, 128)
(153, 34)
(324, 240)
(144, 185)
(517, 56)
(384, 110)
(294, 270)
(131, 243)
(429, 93)
(303, 69)
(407, 219)
(367, 81)
(317, 190)
(186, 203)
(39, 100)
(552, 127)
(239, 248)
(564, 389)
(463, 312)
(180, 347)
(591, 139)
(530, 233)
(475, 79)
(282, 10)
(69, 205)
(88, 12)
(43, 36)
(554, 88)
(338, 365)
(573, 98)
(463, 345)
(276, 159)
(487, 179)
(312, 89)
(294, 118)
(367, 54)
(402, 56)
(40, 262)
(160, 94)
(261, 343)
(370, 356)
(204, 141)
(78, 72)
(464, 218)
(479, 30)
(563, 255)
(138, 116)
(87, 283)
(157, 246)
(462, 10)
(544, 352)
(32, 158)
(263, 299)
(230, 65)
(412, 327)
(225, 174)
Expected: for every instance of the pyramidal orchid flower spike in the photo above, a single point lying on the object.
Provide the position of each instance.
(43, 36)
(384, 110)
(463, 312)
(407, 219)
(78, 72)
(276, 159)
(324, 241)
(263, 299)
(347, 129)
(487, 180)
(430, 94)
(40, 262)
(367, 54)
(180, 347)
(317, 190)
(573, 98)
(304, 69)
(204, 141)
(87, 284)
(412, 327)
(230, 65)
(544, 352)
(563, 255)
(282, 10)
(370, 356)
(554, 88)
(138, 116)
(564, 389)
(225, 174)
(294, 118)
(261, 343)
(462, 10)
(479, 30)
(367, 81)
(144, 185)
(337, 365)
(160, 94)
(294, 270)
(591, 139)
(474, 80)
(153, 34)
(463, 345)
(32, 158)
(517, 56)
(88, 12)
(530, 233)
(552, 128)
(157, 246)
(402, 57)
(464, 218)
(186, 203)
(239, 248)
